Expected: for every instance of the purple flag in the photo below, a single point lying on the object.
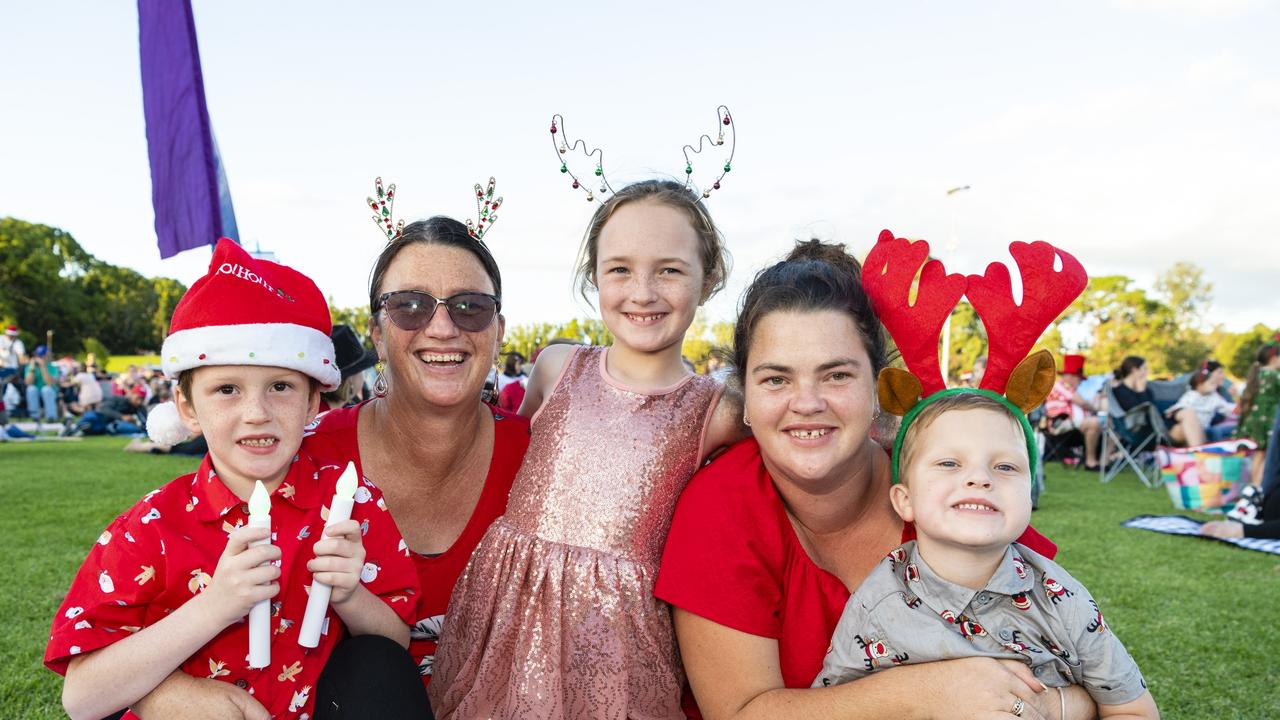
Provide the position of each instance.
(188, 187)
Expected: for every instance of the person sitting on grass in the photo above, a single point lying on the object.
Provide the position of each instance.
(167, 585)
(116, 415)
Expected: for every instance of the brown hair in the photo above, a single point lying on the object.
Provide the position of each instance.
(1261, 360)
(711, 249)
(934, 410)
(1203, 372)
(438, 230)
(1127, 367)
(814, 276)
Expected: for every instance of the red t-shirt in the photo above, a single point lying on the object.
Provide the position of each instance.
(162, 552)
(335, 435)
(733, 557)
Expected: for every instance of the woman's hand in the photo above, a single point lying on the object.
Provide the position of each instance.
(737, 675)
(1225, 529)
(182, 695)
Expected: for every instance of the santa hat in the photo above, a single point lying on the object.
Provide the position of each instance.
(245, 312)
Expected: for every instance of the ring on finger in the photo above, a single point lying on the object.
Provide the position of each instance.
(1018, 706)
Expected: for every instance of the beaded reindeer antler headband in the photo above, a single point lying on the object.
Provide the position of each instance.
(563, 144)
(486, 210)
(1018, 381)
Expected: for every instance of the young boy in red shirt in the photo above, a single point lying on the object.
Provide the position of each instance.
(169, 582)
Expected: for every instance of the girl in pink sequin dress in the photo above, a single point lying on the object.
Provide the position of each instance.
(555, 615)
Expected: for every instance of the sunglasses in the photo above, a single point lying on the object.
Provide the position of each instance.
(412, 310)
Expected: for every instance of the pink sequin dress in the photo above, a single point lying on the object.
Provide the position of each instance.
(555, 615)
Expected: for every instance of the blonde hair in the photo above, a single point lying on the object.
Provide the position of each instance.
(955, 402)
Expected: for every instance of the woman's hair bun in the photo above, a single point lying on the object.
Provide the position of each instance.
(833, 254)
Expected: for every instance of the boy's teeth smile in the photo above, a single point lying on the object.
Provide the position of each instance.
(259, 442)
(974, 506)
(440, 358)
(808, 434)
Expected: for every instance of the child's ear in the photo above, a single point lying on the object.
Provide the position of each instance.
(901, 499)
(186, 411)
(313, 405)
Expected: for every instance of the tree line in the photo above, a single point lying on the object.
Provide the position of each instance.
(48, 282)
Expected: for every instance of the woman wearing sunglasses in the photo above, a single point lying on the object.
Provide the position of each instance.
(443, 459)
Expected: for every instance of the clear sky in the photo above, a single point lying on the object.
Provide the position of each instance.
(1132, 132)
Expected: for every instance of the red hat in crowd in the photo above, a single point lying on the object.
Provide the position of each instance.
(11, 331)
(246, 312)
(1073, 365)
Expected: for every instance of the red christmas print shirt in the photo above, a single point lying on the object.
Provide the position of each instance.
(163, 551)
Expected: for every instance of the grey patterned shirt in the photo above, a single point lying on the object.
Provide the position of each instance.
(1031, 610)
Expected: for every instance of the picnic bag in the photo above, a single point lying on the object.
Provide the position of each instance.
(1205, 477)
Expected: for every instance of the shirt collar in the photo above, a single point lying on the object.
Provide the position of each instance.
(210, 498)
(941, 594)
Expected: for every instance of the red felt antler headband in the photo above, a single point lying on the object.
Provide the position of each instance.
(1012, 328)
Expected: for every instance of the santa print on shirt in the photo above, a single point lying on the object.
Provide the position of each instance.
(162, 552)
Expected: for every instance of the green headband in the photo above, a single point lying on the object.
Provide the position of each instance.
(1032, 447)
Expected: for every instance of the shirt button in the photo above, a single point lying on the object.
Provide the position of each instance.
(1006, 635)
(1039, 669)
(984, 598)
(242, 683)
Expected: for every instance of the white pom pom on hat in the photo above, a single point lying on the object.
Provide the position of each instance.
(247, 311)
(164, 426)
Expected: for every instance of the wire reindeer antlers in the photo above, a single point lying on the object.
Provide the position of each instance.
(564, 144)
(486, 209)
(382, 210)
(724, 120)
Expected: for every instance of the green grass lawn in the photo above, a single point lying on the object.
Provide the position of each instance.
(1201, 618)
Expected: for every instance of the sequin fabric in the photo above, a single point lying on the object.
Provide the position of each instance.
(555, 615)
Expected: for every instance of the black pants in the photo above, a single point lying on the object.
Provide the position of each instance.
(369, 676)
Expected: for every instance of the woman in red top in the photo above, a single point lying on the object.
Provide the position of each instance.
(443, 460)
(770, 539)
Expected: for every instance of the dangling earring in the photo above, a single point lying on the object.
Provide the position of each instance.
(379, 383)
(745, 421)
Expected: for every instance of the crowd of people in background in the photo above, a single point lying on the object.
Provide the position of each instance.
(1196, 408)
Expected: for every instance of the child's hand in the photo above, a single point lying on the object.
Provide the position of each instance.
(339, 560)
(243, 577)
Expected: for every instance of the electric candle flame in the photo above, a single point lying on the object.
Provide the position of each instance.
(346, 487)
(259, 501)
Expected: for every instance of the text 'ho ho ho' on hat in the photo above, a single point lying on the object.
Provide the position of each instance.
(246, 311)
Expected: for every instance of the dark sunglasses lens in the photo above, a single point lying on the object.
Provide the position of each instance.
(410, 311)
(471, 312)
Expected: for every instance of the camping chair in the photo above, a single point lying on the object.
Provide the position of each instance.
(1134, 433)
